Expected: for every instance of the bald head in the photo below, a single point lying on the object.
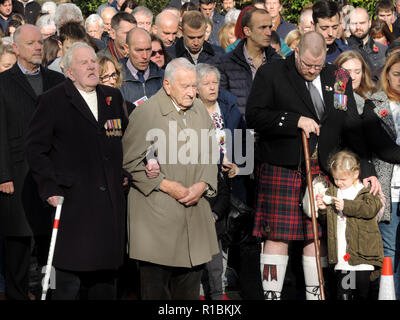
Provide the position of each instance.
(139, 48)
(166, 27)
(306, 23)
(312, 42)
(137, 33)
(359, 13)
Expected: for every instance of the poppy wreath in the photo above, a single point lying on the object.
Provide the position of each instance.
(342, 78)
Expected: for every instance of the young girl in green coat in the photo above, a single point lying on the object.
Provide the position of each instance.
(354, 240)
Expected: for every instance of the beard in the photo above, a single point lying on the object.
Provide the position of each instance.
(360, 36)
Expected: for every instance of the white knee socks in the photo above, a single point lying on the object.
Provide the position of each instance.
(311, 277)
(273, 269)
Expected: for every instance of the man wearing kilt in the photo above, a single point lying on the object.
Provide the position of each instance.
(288, 96)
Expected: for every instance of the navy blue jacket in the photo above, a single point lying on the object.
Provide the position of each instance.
(284, 28)
(236, 75)
(218, 21)
(335, 49)
(209, 54)
(132, 89)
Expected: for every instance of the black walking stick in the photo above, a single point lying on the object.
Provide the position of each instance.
(313, 215)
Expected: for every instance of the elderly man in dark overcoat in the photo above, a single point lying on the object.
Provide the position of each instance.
(19, 88)
(74, 150)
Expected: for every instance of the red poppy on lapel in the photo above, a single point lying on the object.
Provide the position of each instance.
(375, 48)
(346, 257)
(108, 100)
(383, 113)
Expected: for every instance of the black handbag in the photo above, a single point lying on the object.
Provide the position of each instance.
(239, 222)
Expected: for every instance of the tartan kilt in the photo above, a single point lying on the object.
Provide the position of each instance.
(279, 193)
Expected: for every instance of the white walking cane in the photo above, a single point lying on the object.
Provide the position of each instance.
(52, 245)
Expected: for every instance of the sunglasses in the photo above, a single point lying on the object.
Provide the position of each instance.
(160, 52)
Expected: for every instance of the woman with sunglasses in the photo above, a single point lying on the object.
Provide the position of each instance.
(159, 55)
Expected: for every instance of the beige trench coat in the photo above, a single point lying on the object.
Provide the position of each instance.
(160, 229)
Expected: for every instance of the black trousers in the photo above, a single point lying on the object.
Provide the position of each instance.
(17, 258)
(352, 285)
(91, 285)
(159, 282)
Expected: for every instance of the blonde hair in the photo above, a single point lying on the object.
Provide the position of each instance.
(292, 36)
(366, 84)
(391, 94)
(102, 60)
(344, 161)
(223, 34)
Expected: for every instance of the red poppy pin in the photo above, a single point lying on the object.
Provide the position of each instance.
(383, 113)
(346, 257)
(375, 48)
(108, 100)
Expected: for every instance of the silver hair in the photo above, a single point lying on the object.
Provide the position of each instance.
(46, 20)
(232, 15)
(175, 65)
(203, 69)
(49, 7)
(67, 57)
(108, 8)
(67, 12)
(93, 19)
(143, 10)
(18, 31)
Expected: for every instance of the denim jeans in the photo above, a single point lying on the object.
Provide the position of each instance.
(391, 244)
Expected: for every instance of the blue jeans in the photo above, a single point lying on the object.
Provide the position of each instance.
(391, 244)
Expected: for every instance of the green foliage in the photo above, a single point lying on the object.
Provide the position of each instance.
(291, 8)
(88, 6)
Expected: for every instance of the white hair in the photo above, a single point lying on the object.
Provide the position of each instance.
(143, 10)
(46, 20)
(203, 69)
(93, 19)
(67, 57)
(175, 65)
(232, 15)
(67, 12)
(49, 7)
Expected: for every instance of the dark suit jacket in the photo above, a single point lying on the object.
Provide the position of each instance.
(210, 53)
(17, 104)
(279, 97)
(71, 155)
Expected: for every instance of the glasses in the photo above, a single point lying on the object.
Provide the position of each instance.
(160, 52)
(310, 66)
(108, 77)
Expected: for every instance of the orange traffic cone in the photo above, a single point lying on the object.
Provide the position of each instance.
(386, 286)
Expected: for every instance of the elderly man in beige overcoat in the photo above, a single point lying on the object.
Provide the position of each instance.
(171, 226)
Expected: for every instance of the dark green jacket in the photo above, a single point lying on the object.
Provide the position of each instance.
(364, 241)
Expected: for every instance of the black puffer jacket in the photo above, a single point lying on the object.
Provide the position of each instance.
(236, 74)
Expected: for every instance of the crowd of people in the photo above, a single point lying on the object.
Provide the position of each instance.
(109, 111)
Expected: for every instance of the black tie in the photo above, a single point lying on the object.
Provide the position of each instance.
(140, 75)
(316, 99)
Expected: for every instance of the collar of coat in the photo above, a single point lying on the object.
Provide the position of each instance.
(181, 50)
(238, 54)
(155, 71)
(167, 108)
(382, 103)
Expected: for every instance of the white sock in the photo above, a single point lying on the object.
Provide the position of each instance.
(273, 269)
(311, 276)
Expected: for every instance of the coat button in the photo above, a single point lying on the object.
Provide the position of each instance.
(102, 188)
